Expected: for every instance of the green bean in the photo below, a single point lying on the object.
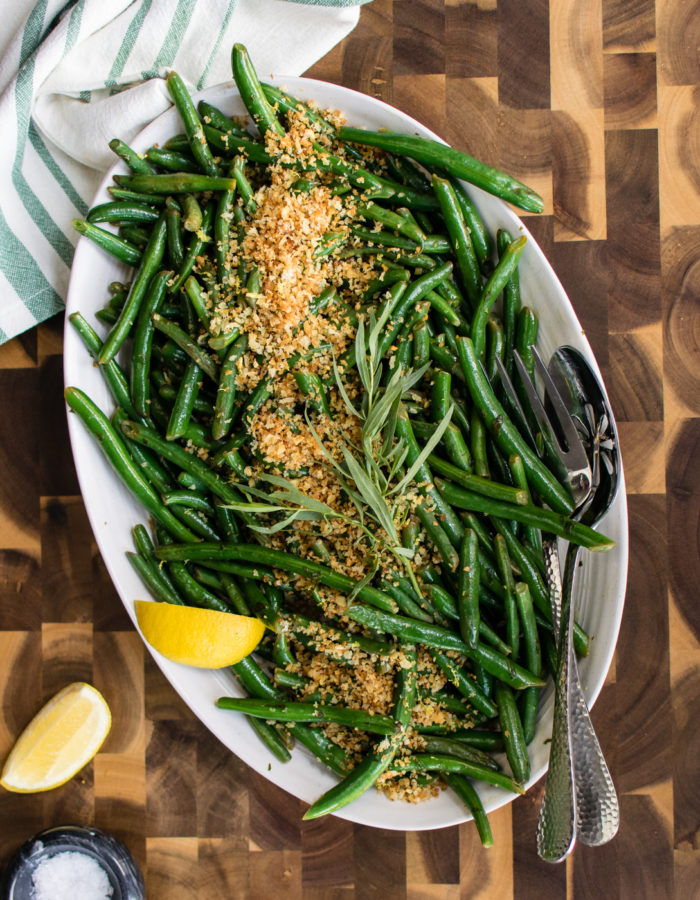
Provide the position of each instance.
(421, 345)
(152, 257)
(184, 402)
(495, 284)
(546, 519)
(532, 534)
(243, 186)
(172, 161)
(144, 546)
(195, 593)
(468, 596)
(114, 376)
(472, 801)
(174, 237)
(456, 675)
(135, 162)
(188, 498)
(143, 342)
(392, 220)
(149, 575)
(323, 637)
(482, 486)
(135, 235)
(505, 572)
(121, 211)
(135, 197)
(532, 658)
(437, 535)
(196, 245)
(481, 239)
(442, 639)
(449, 520)
(205, 362)
(191, 213)
(512, 731)
(256, 401)
(459, 165)
(211, 114)
(271, 738)
(251, 92)
(477, 434)
(122, 250)
(231, 144)
(199, 300)
(222, 235)
(449, 315)
(511, 303)
(226, 392)
(460, 239)
(494, 348)
(285, 711)
(420, 762)
(383, 238)
(408, 299)
(193, 127)
(405, 602)
(115, 451)
(174, 183)
(446, 746)
(526, 328)
(445, 360)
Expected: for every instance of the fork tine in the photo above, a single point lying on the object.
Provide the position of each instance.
(574, 453)
(534, 400)
(516, 408)
(570, 463)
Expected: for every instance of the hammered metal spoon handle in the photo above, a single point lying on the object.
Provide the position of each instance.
(597, 807)
(556, 826)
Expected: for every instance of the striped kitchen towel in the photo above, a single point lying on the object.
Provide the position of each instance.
(76, 73)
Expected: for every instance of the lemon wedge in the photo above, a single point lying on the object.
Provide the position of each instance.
(61, 738)
(204, 638)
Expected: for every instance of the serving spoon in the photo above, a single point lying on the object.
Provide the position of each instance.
(580, 798)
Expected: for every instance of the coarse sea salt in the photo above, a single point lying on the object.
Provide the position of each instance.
(70, 876)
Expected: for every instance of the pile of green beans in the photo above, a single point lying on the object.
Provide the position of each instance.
(180, 439)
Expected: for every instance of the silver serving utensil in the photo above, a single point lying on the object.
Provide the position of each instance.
(579, 795)
(597, 808)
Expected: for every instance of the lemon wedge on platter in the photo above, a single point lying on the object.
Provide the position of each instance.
(205, 638)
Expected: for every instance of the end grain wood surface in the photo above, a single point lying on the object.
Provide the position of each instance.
(595, 104)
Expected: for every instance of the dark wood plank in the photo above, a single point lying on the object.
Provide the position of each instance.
(633, 228)
(523, 54)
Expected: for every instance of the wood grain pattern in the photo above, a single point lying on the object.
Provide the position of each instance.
(595, 103)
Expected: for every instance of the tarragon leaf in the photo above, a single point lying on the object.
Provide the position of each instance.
(343, 393)
(433, 441)
(255, 507)
(361, 357)
(371, 496)
(399, 384)
(364, 581)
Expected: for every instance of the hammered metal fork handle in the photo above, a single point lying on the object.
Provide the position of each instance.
(597, 807)
(556, 826)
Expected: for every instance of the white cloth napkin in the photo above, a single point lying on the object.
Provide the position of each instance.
(75, 74)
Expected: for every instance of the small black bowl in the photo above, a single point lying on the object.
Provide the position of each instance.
(116, 860)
